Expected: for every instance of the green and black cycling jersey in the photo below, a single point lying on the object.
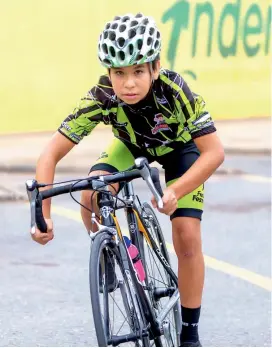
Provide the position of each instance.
(168, 117)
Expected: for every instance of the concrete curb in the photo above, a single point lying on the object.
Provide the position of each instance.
(7, 195)
(248, 152)
(24, 169)
(13, 195)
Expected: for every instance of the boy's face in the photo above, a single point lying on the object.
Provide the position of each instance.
(132, 83)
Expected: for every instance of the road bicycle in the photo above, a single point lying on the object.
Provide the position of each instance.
(129, 308)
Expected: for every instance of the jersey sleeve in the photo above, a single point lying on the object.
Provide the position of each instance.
(200, 122)
(88, 113)
(192, 108)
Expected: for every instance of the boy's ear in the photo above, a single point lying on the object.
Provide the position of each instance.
(156, 71)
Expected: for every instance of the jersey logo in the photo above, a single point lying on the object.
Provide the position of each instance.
(103, 155)
(161, 125)
(162, 100)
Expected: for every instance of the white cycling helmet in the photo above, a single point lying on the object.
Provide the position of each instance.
(129, 40)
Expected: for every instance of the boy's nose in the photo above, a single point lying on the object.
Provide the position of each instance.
(129, 83)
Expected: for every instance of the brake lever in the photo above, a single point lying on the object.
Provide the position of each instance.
(142, 165)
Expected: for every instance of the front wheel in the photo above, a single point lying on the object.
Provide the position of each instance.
(115, 306)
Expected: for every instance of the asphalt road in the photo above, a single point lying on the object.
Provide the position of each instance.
(44, 293)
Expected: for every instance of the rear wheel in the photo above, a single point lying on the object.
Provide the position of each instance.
(157, 278)
(116, 309)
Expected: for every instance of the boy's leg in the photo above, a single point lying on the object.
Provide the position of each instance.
(116, 158)
(187, 242)
(88, 200)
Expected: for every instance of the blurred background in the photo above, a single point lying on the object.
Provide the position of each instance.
(49, 54)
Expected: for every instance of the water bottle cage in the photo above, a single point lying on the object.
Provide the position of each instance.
(137, 258)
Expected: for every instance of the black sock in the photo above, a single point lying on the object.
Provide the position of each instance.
(190, 318)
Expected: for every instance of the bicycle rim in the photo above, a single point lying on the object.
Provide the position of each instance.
(157, 278)
(115, 313)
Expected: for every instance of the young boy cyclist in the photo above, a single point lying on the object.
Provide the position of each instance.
(154, 114)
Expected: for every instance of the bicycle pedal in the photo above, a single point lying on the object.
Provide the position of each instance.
(116, 340)
(165, 292)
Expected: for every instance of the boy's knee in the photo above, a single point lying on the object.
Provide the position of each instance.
(87, 197)
(187, 238)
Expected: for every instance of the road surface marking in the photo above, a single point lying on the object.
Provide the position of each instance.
(238, 272)
(218, 265)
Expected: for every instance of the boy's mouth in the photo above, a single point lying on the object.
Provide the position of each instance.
(130, 95)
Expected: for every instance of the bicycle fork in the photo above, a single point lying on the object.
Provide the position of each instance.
(130, 307)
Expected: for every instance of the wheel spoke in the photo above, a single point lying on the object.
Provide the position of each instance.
(115, 313)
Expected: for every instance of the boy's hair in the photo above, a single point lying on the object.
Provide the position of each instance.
(155, 61)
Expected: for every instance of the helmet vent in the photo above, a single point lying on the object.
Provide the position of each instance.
(139, 57)
(112, 35)
(112, 52)
(121, 41)
(121, 55)
(106, 61)
(139, 15)
(105, 48)
(130, 49)
(140, 44)
(158, 35)
(150, 53)
(122, 28)
(134, 23)
(151, 31)
(149, 41)
(131, 33)
(114, 25)
(107, 26)
(124, 19)
(141, 30)
(106, 33)
(157, 43)
(145, 21)
(116, 18)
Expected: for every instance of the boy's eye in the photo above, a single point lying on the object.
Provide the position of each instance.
(139, 71)
(119, 72)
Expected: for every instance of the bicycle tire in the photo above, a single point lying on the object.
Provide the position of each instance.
(101, 243)
(150, 221)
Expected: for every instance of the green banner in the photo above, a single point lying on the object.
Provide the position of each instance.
(49, 54)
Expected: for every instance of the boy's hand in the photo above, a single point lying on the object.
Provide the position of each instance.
(43, 238)
(170, 202)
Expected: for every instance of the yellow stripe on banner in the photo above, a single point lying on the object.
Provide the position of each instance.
(218, 265)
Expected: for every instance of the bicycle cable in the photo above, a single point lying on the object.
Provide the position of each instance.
(95, 191)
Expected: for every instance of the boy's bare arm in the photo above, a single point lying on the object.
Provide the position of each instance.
(55, 150)
(211, 157)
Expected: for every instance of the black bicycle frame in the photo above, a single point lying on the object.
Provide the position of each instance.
(106, 205)
(134, 232)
